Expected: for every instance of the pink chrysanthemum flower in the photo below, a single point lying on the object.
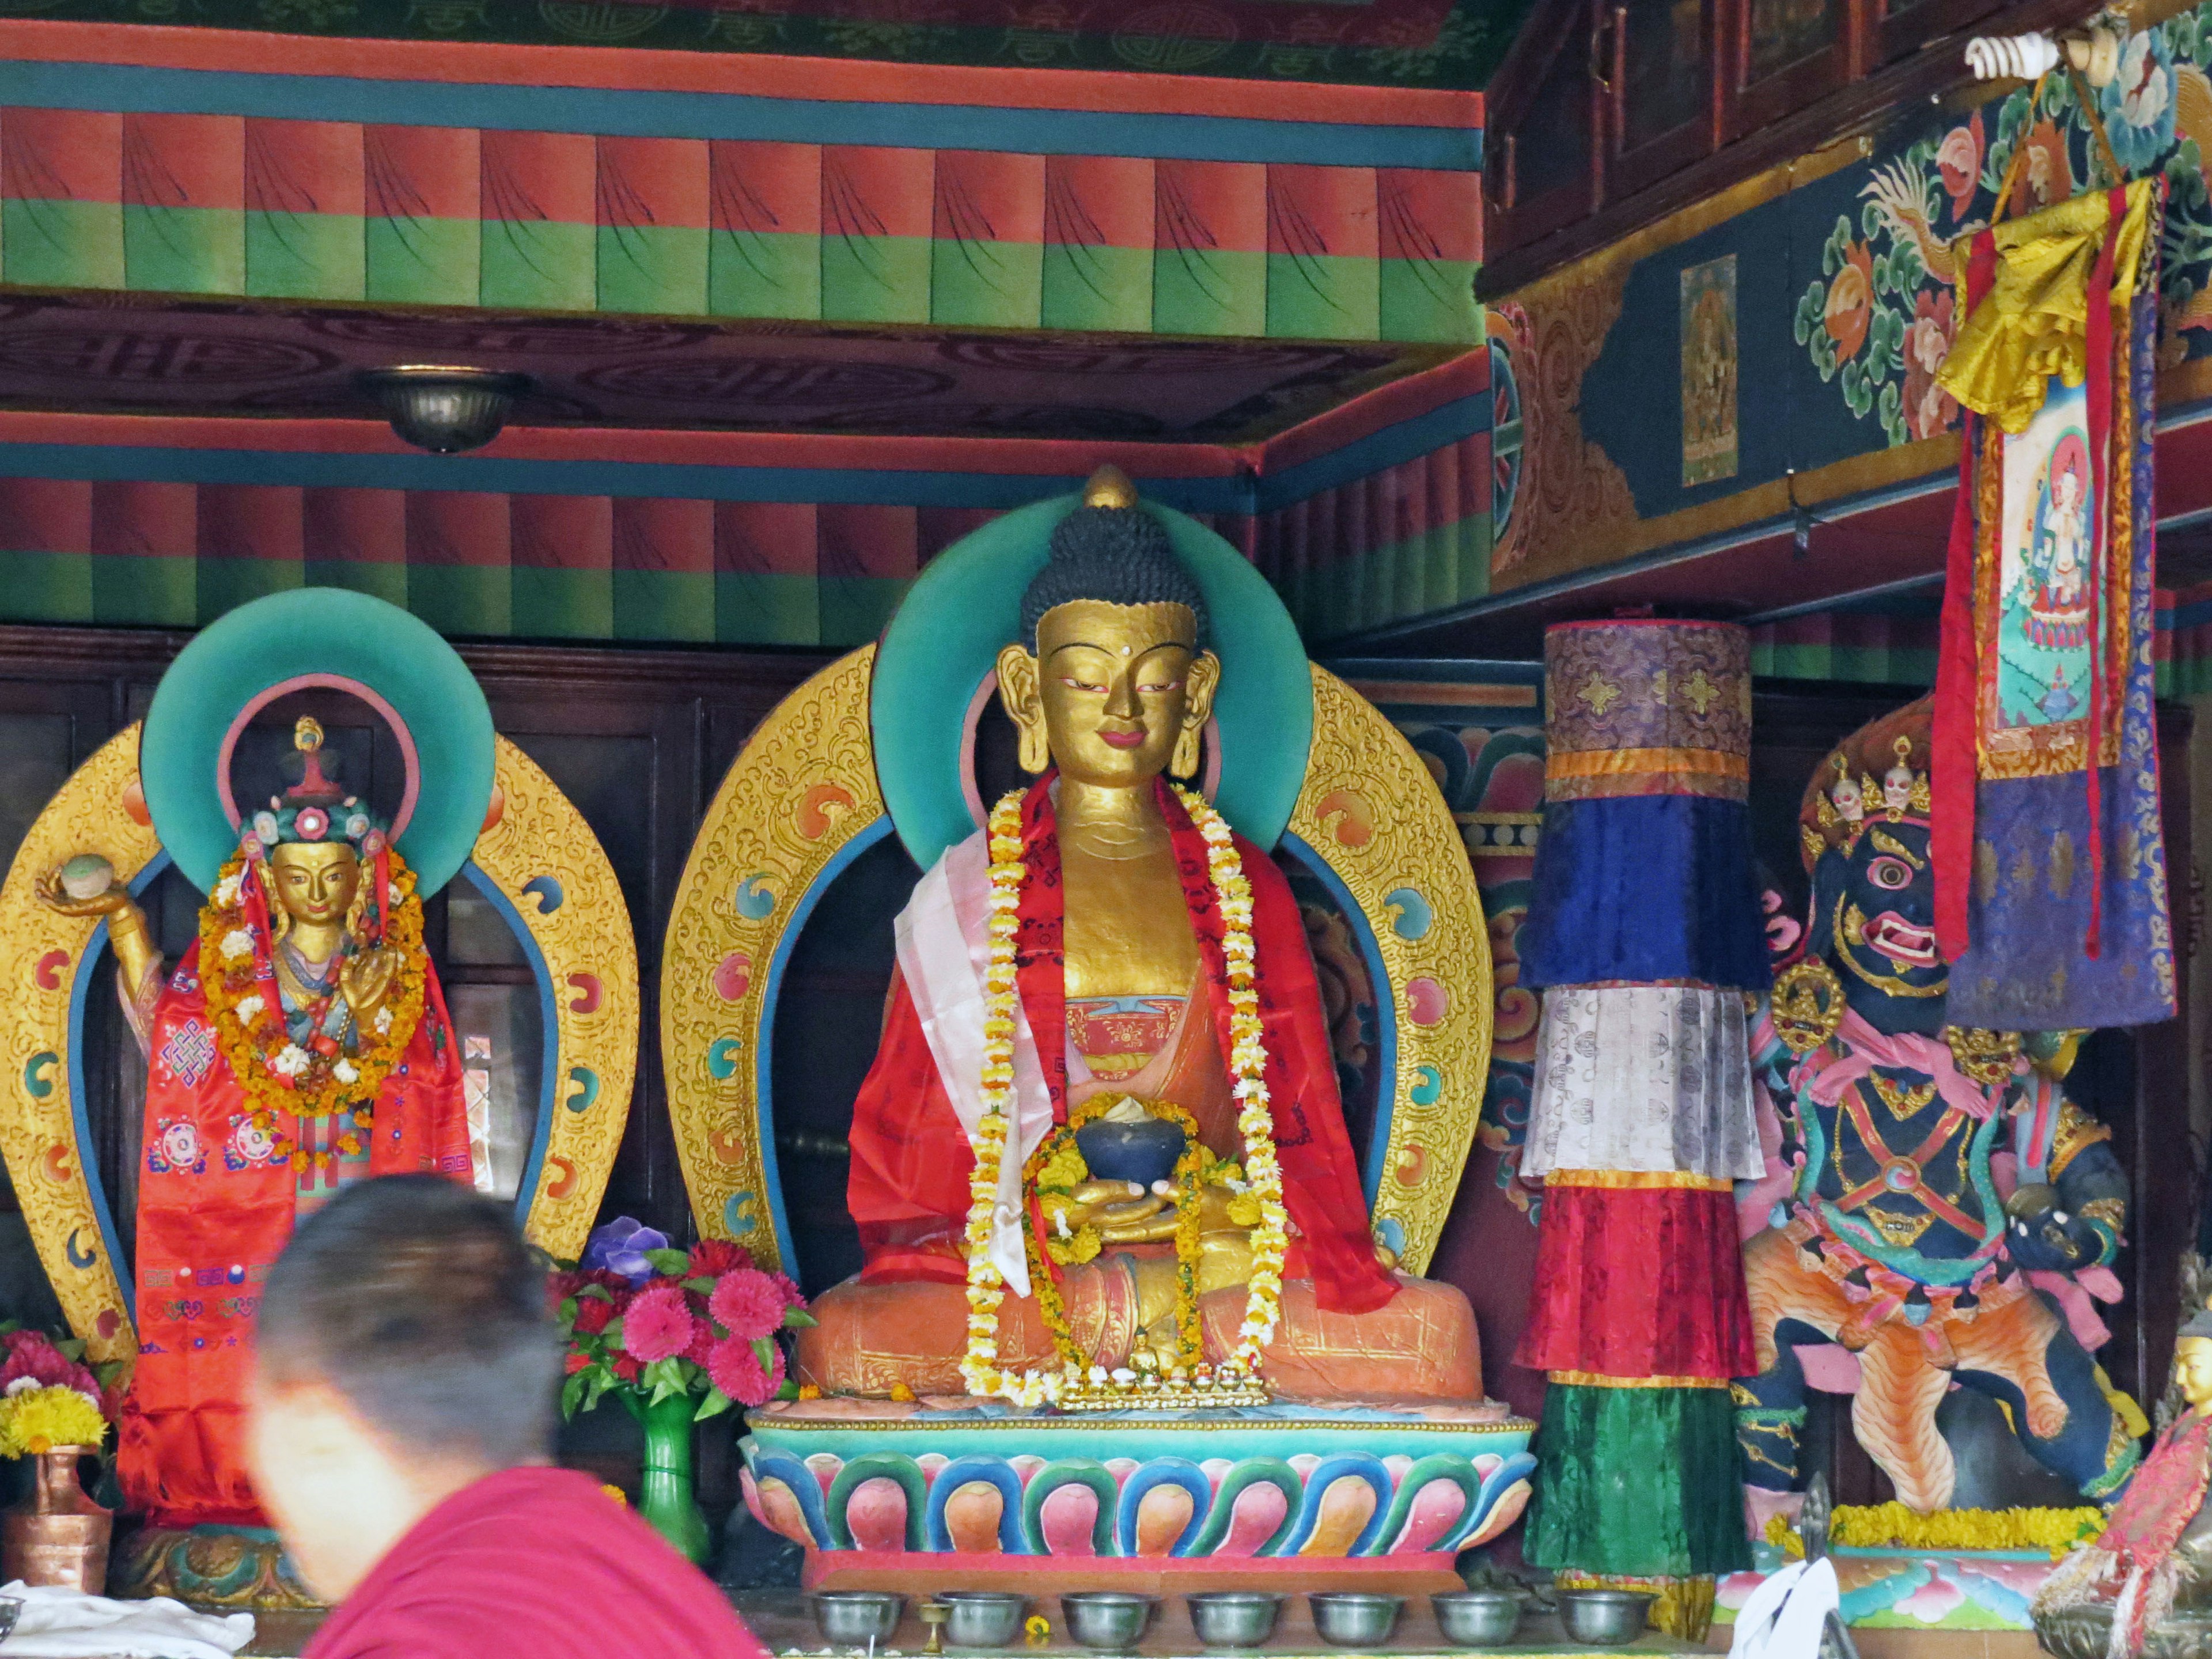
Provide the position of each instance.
(748, 1303)
(735, 1369)
(657, 1325)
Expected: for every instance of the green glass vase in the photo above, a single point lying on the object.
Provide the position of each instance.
(664, 1496)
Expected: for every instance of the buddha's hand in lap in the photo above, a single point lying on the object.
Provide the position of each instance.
(1122, 1211)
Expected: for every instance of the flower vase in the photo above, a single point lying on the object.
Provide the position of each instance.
(57, 1534)
(664, 1495)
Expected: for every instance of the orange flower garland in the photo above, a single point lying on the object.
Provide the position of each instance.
(278, 1076)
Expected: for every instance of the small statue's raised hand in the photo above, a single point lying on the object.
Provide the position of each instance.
(109, 902)
(366, 982)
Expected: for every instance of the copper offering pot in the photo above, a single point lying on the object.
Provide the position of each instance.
(56, 1535)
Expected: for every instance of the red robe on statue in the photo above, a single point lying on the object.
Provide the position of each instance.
(911, 1160)
(216, 1201)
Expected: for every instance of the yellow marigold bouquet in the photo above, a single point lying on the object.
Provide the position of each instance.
(39, 1420)
(1893, 1526)
(49, 1396)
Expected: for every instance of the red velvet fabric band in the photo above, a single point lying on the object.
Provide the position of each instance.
(1639, 1282)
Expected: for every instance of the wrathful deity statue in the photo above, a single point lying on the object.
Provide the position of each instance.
(302, 1044)
(2143, 1586)
(1948, 1212)
(1101, 1153)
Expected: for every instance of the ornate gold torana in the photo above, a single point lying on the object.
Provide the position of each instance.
(802, 787)
(1370, 809)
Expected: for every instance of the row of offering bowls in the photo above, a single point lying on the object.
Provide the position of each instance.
(1114, 1621)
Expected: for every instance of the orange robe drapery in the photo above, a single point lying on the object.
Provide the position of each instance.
(215, 1207)
(911, 1160)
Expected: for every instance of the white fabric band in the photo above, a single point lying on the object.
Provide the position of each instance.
(943, 948)
(1644, 1078)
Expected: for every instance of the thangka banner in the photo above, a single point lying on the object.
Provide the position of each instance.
(2051, 867)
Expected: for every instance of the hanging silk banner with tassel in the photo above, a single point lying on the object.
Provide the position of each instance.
(2050, 897)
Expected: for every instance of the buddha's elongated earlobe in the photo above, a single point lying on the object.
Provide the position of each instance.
(1025, 706)
(1184, 761)
(1203, 680)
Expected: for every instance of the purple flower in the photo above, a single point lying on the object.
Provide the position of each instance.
(620, 1246)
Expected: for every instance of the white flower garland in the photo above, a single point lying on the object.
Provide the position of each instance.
(1248, 1067)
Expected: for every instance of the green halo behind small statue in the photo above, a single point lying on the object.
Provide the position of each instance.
(319, 636)
(967, 605)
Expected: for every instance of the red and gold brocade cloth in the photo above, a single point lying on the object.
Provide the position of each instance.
(1638, 1276)
(2132, 1563)
(218, 1201)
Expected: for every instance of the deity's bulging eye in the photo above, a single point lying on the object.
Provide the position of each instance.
(1893, 875)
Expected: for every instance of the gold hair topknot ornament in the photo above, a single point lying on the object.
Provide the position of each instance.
(1109, 487)
(1808, 1005)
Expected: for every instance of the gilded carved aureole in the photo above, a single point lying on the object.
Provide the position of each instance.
(800, 801)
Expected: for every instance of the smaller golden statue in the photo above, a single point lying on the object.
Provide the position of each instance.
(300, 1045)
(2144, 1586)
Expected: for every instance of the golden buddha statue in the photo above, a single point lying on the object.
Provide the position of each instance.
(1101, 1147)
(302, 1044)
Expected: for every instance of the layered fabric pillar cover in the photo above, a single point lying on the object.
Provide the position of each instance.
(2050, 888)
(1643, 934)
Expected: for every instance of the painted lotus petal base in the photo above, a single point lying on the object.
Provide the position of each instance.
(1915, 1589)
(225, 1569)
(1286, 1496)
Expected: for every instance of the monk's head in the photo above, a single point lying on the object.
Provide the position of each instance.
(403, 1351)
(1111, 680)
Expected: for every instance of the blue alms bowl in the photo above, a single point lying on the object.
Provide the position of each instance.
(1142, 1152)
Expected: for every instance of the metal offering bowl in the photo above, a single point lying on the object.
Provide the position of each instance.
(983, 1619)
(1354, 1619)
(1477, 1618)
(853, 1618)
(1107, 1621)
(1603, 1616)
(1235, 1619)
(1142, 1152)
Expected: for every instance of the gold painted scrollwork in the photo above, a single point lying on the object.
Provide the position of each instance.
(803, 787)
(43, 952)
(1370, 809)
(544, 859)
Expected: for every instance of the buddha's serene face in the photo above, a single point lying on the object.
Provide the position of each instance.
(315, 880)
(2192, 1369)
(1112, 687)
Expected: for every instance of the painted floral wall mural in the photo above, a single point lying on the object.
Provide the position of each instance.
(1879, 320)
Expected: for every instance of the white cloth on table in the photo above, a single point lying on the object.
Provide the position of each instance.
(65, 1624)
(1644, 1078)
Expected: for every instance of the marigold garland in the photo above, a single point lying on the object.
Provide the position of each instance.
(280, 1077)
(1248, 1064)
(1893, 1526)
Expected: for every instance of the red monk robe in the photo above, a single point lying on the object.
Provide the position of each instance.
(217, 1203)
(535, 1562)
(911, 1160)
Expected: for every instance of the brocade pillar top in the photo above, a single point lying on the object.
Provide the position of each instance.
(1646, 709)
(1643, 875)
